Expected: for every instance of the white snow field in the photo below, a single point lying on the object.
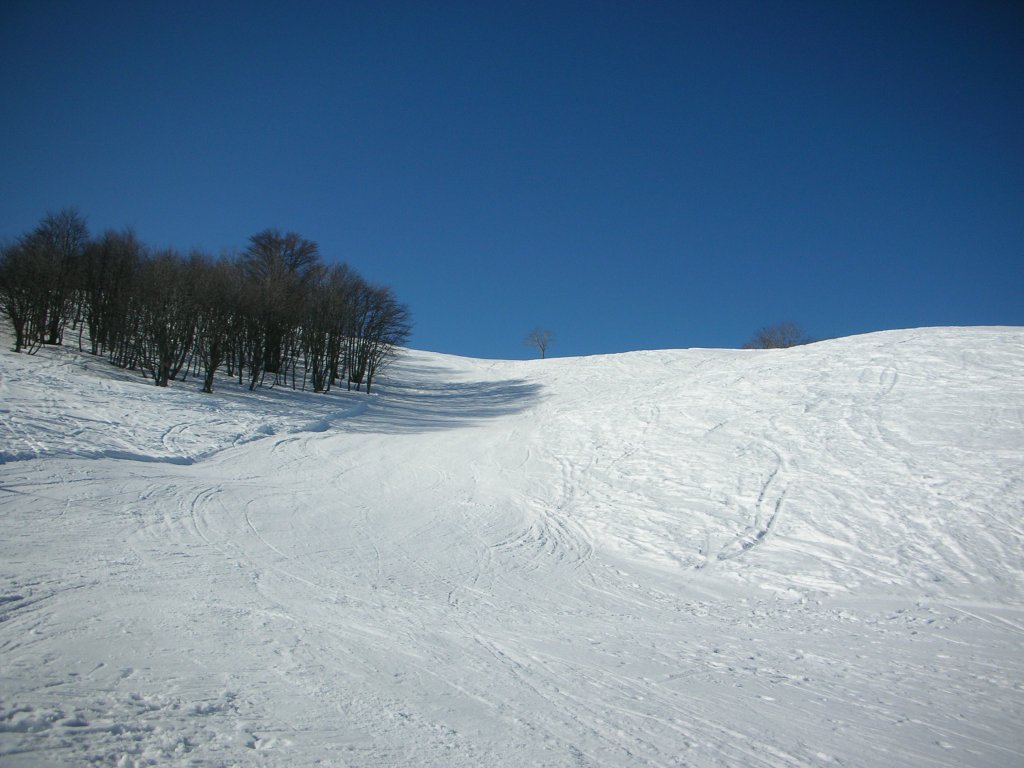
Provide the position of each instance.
(803, 557)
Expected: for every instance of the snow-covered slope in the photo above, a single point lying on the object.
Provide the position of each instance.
(698, 557)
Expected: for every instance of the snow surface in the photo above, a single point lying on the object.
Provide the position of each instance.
(697, 557)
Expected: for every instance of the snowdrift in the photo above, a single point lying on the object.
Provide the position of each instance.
(790, 557)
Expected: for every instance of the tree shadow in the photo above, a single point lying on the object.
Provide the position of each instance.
(419, 399)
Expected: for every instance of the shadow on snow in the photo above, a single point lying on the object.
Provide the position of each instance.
(418, 402)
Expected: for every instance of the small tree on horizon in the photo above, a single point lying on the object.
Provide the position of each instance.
(778, 336)
(540, 339)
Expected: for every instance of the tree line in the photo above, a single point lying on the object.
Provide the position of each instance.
(275, 312)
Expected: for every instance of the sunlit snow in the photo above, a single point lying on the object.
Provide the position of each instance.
(790, 557)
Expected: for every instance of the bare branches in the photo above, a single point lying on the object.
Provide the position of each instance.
(778, 336)
(275, 309)
(540, 339)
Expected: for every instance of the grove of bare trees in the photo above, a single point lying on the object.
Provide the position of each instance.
(276, 313)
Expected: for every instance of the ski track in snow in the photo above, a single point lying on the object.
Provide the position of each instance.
(675, 558)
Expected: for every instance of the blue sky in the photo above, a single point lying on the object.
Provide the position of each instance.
(629, 175)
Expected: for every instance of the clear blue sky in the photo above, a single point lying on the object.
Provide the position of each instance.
(631, 175)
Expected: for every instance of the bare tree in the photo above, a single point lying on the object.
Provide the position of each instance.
(168, 326)
(22, 295)
(39, 273)
(217, 298)
(56, 245)
(388, 328)
(327, 322)
(778, 336)
(540, 339)
(278, 269)
(380, 324)
(105, 285)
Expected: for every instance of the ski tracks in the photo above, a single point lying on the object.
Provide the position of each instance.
(550, 539)
(766, 509)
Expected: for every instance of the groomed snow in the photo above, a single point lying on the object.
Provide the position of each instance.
(678, 558)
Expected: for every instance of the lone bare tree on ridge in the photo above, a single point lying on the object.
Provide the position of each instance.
(540, 339)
